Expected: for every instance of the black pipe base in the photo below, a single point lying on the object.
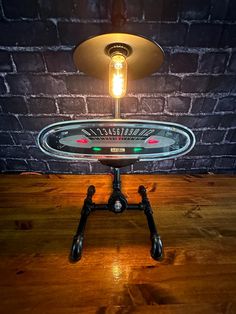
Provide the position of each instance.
(117, 203)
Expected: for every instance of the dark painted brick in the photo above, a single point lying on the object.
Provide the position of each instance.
(151, 105)
(79, 167)
(201, 150)
(5, 62)
(74, 8)
(143, 166)
(199, 121)
(58, 8)
(100, 105)
(172, 83)
(203, 163)
(65, 167)
(13, 105)
(221, 83)
(155, 84)
(148, 84)
(18, 9)
(72, 33)
(3, 166)
(71, 105)
(143, 29)
(228, 120)
(228, 38)
(213, 136)
(23, 138)
(218, 10)
(129, 104)
(3, 89)
(167, 35)
(213, 62)
(163, 164)
(16, 165)
(204, 35)
(28, 61)
(59, 166)
(97, 167)
(81, 84)
(9, 123)
(5, 139)
(231, 135)
(225, 162)
(36, 165)
(35, 153)
(59, 61)
(28, 33)
(226, 104)
(161, 10)
(134, 9)
(12, 152)
(178, 104)
(232, 63)
(195, 9)
(198, 136)
(224, 149)
(183, 62)
(195, 83)
(203, 105)
(150, 116)
(31, 123)
(156, 166)
(164, 68)
(41, 105)
(163, 33)
(22, 84)
(182, 163)
(231, 12)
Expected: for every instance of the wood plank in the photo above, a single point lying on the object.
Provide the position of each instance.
(196, 217)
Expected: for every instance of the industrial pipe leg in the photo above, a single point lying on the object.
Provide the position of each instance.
(77, 244)
(156, 249)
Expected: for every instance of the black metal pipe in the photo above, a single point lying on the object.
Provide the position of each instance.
(135, 206)
(116, 180)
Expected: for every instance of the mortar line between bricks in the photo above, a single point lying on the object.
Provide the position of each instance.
(13, 63)
(86, 103)
(1, 9)
(57, 19)
(229, 59)
(99, 21)
(55, 22)
(71, 47)
(143, 95)
(44, 62)
(26, 99)
(6, 84)
(57, 107)
(131, 20)
(157, 74)
(168, 113)
(190, 105)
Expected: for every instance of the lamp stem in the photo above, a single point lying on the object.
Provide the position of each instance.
(117, 108)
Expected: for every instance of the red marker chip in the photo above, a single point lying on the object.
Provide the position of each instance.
(82, 141)
(152, 141)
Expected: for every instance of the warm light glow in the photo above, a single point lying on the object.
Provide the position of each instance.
(117, 76)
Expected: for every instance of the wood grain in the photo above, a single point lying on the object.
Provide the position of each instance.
(196, 217)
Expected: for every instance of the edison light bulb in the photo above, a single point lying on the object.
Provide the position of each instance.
(117, 75)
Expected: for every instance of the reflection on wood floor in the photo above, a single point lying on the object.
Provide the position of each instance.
(196, 218)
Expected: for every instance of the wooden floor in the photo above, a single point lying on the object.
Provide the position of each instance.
(196, 216)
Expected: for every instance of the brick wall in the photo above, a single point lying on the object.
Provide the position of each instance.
(196, 86)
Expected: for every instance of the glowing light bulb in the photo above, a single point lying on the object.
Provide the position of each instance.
(117, 75)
